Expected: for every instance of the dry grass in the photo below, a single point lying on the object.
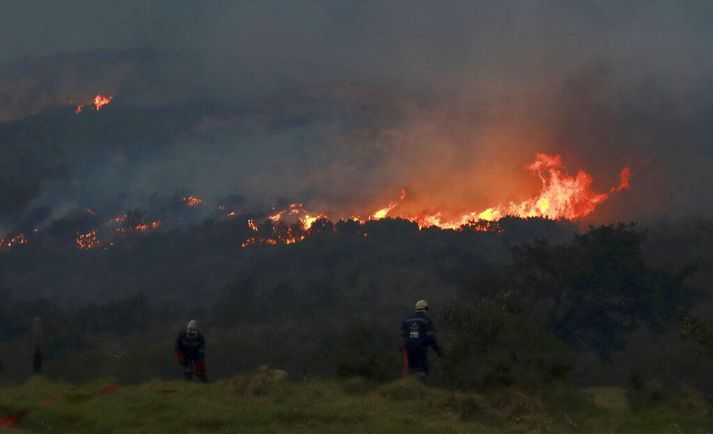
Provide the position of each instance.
(264, 402)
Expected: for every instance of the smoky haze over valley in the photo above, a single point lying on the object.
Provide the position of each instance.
(339, 105)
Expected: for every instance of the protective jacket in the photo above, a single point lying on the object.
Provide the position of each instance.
(418, 333)
(192, 348)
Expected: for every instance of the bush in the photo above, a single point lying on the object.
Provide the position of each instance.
(261, 382)
(367, 350)
(495, 341)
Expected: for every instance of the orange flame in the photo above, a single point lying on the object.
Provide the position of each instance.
(383, 212)
(308, 220)
(102, 100)
(562, 196)
(624, 179)
(120, 227)
(98, 102)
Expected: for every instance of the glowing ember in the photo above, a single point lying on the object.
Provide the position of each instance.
(192, 201)
(146, 227)
(88, 240)
(132, 228)
(13, 241)
(252, 225)
(120, 226)
(118, 220)
(17, 240)
(249, 242)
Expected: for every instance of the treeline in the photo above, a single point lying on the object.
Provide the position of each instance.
(608, 305)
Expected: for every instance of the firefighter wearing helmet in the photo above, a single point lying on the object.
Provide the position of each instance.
(190, 351)
(418, 333)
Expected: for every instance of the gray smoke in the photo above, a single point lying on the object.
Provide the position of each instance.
(339, 105)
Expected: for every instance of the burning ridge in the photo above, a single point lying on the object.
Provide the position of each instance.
(98, 102)
(562, 197)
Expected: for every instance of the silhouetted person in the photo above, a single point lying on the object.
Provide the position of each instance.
(37, 345)
(190, 351)
(417, 331)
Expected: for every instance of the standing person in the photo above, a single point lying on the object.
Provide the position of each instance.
(37, 345)
(190, 351)
(417, 331)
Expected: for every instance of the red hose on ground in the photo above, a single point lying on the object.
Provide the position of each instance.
(13, 419)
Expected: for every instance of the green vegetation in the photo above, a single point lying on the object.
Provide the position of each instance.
(262, 403)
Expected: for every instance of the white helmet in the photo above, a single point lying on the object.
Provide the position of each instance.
(192, 328)
(421, 305)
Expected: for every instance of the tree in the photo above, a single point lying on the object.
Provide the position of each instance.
(599, 288)
(495, 338)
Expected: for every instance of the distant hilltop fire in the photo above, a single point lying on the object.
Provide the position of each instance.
(98, 102)
(562, 197)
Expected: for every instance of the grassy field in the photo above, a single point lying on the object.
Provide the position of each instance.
(258, 403)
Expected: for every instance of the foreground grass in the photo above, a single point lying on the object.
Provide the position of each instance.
(259, 403)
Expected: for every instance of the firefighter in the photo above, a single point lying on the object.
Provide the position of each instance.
(190, 351)
(417, 331)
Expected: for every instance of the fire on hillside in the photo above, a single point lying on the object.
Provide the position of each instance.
(98, 102)
(562, 197)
